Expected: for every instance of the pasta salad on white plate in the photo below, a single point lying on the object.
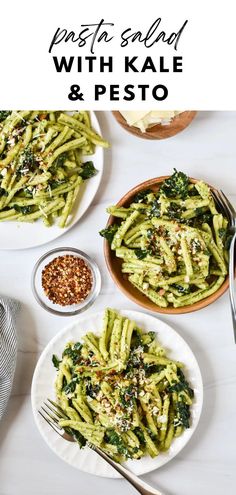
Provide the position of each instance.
(173, 351)
(51, 165)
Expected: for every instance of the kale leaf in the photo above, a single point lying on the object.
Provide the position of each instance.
(141, 253)
(25, 210)
(92, 390)
(141, 196)
(88, 170)
(139, 433)
(115, 439)
(183, 412)
(151, 368)
(4, 114)
(3, 192)
(54, 183)
(73, 352)
(70, 387)
(28, 192)
(202, 217)
(152, 335)
(28, 162)
(79, 438)
(181, 385)
(181, 289)
(136, 340)
(196, 245)
(56, 361)
(109, 232)
(176, 185)
(193, 191)
(174, 211)
(155, 209)
(59, 162)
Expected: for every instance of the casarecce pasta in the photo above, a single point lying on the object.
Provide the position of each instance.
(121, 392)
(173, 243)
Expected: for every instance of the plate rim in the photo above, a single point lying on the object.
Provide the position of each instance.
(99, 314)
(72, 224)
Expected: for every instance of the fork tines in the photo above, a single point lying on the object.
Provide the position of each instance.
(220, 204)
(228, 205)
(52, 414)
(224, 205)
(216, 199)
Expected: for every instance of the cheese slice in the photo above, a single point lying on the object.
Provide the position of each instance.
(145, 119)
(132, 117)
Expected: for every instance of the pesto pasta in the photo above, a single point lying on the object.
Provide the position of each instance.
(42, 164)
(173, 243)
(121, 392)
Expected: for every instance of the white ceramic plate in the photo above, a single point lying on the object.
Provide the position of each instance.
(20, 235)
(43, 387)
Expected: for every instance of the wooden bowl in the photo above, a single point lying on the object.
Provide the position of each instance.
(114, 263)
(178, 124)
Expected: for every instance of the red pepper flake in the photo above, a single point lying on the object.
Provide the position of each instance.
(67, 280)
(99, 373)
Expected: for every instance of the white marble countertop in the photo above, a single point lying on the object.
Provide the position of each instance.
(207, 464)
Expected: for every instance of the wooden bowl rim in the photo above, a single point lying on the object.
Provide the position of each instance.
(150, 132)
(150, 305)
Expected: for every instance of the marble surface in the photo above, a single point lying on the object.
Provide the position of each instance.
(207, 464)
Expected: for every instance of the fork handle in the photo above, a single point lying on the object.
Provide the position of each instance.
(231, 284)
(138, 484)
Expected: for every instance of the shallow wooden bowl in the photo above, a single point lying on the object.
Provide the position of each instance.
(178, 124)
(121, 280)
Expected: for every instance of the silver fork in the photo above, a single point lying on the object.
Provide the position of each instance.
(52, 413)
(227, 208)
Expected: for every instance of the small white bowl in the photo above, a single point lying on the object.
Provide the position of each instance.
(45, 302)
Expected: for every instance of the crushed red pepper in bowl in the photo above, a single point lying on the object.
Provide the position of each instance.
(67, 280)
